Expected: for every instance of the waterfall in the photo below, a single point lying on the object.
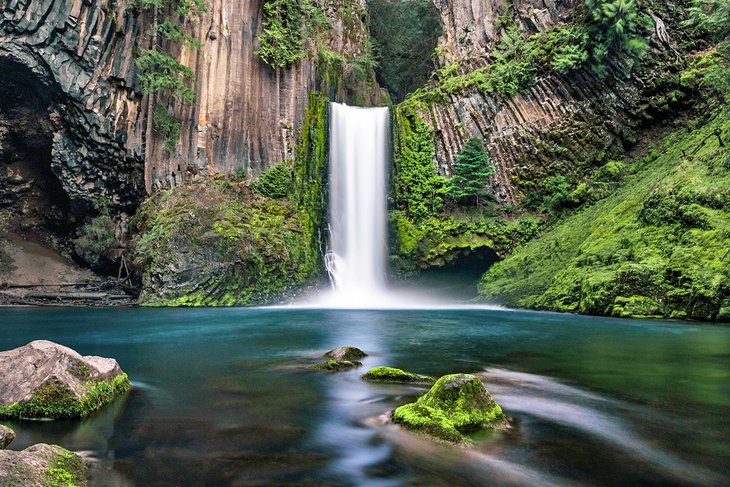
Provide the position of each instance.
(357, 254)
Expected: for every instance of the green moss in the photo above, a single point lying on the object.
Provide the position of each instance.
(57, 401)
(655, 247)
(336, 365)
(67, 470)
(456, 405)
(397, 376)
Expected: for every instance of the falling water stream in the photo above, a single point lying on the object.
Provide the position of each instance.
(356, 258)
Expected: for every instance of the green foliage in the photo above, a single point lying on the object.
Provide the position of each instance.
(286, 25)
(405, 33)
(711, 17)
(98, 236)
(615, 27)
(456, 405)
(275, 182)
(175, 32)
(168, 126)
(709, 74)
(57, 401)
(657, 246)
(563, 48)
(418, 189)
(473, 170)
(163, 74)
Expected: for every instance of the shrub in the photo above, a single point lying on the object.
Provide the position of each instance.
(472, 171)
(275, 182)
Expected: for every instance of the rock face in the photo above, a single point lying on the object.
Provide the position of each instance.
(345, 353)
(47, 380)
(457, 404)
(562, 119)
(6, 436)
(82, 55)
(395, 376)
(41, 465)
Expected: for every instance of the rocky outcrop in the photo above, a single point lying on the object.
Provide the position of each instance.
(560, 124)
(41, 465)
(47, 380)
(456, 405)
(345, 353)
(7, 436)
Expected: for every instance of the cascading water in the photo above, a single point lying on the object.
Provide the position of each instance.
(356, 258)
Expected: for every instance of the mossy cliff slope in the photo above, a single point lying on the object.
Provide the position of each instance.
(227, 241)
(657, 247)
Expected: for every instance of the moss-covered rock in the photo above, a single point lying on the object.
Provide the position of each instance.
(336, 365)
(214, 242)
(7, 436)
(42, 465)
(395, 376)
(456, 405)
(44, 380)
(345, 353)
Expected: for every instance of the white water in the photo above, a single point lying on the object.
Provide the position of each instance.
(356, 258)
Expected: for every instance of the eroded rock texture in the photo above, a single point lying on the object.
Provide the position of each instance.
(563, 121)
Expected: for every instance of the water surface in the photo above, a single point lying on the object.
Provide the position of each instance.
(222, 397)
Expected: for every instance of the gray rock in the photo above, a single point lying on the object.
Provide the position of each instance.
(345, 353)
(44, 379)
(40, 465)
(6, 436)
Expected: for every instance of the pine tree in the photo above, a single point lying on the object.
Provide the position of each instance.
(472, 172)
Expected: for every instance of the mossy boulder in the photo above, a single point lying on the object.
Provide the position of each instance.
(345, 353)
(45, 380)
(456, 405)
(336, 365)
(395, 376)
(42, 465)
(7, 436)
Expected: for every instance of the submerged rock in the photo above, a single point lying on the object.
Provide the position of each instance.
(345, 353)
(457, 404)
(6, 436)
(45, 380)
(42, 465)
(336, 365)
(396, 376)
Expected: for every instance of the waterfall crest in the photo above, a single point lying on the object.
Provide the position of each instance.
(357, 254)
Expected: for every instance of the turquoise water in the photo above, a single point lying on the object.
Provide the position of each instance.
(222, 397)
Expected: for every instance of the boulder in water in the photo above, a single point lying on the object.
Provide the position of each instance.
(457, 404)
(42, 464)
(395, 376)
(6, 436)
(45, 380)
(345, 353)
(336, 365)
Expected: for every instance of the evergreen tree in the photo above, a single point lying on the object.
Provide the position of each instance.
(472, 172)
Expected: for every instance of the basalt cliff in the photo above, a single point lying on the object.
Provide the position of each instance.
(178, 150)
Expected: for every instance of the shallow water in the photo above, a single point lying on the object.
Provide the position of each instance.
(222, 397)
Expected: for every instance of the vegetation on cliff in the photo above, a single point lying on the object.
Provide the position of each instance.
(217, 242)
(657, 247)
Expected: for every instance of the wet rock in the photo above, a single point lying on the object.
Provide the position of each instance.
(6, 436)
(345, 353)
(395, 376)
(45, 380)
(456, 405)
(40, 465)
(336, 365)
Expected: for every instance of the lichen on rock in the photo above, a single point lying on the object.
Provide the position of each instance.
(456, 405)
(7, 436)
(336, 365)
